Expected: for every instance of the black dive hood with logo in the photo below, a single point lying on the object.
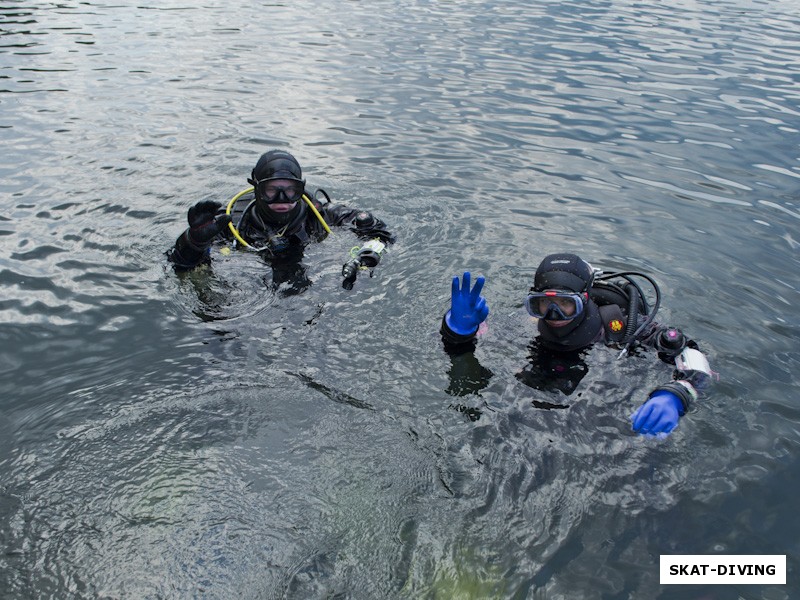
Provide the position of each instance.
(568, 272)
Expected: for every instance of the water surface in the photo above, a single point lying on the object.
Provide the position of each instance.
(210, 437)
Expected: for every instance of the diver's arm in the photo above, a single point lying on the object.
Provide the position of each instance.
(187, 255)
(692, 377)
(206, 221)
(361, 222)
(466, 374)
(454, 341)
(670, 401)
(459, 329)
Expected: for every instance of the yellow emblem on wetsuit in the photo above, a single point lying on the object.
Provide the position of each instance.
(615, 325)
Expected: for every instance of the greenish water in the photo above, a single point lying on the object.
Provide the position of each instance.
(211, 437)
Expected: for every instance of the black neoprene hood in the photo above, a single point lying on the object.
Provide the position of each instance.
(563, 272)
(277, 164)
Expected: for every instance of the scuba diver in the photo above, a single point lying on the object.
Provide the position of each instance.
(576, 307)
(277, 218)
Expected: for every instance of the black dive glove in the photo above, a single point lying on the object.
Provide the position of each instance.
(206, 220)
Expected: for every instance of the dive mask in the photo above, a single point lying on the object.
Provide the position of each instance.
(555, 305)
(273, 191)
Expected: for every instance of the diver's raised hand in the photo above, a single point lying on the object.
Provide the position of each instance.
(468, 309)
(206, 220)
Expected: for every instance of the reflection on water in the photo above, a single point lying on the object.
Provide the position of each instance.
(210, 436)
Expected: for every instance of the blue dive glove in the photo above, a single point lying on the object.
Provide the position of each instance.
(660, 414)
(468, 308)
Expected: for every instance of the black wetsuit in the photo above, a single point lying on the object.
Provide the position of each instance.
(274, 240)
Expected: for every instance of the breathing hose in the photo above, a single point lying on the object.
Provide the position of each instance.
(235, 231)
(633, 311)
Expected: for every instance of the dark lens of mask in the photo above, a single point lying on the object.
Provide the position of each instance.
(554, 313)
(280, 193)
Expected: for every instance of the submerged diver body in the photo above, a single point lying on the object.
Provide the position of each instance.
(277, 219)
(576, 307)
